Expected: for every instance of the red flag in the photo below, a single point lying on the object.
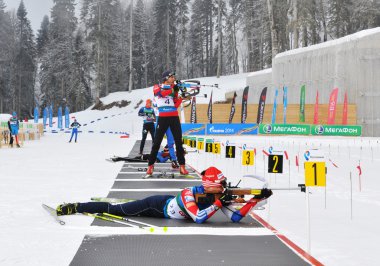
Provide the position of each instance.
(333, 163)
(345, 110)
(297, 161)
(286, 155)
(360, 170)
(332, 107)
(267, 154)
(316, 109)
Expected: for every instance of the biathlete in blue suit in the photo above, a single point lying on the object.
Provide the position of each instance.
(75, 125)
(13, 126)
(147, 113)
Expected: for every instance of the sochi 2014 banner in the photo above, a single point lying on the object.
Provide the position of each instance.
(209, 110)
(232, 112)
(274, 110)
(261, 108)
(36, 114)
(44, 116)
(285, 102)
(60, 117)
(50, 116)
(193, 111)
(332, 107)
(302, 104)
(244, 102)
(67, 117)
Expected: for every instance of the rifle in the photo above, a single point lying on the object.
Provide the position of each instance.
(235, 192)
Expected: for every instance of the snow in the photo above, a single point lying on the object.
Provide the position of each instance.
(52, 171)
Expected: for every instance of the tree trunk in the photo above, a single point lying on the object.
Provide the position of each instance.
(130, 49)
(273, 29)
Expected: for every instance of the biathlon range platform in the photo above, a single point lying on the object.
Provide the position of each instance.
(182, 242)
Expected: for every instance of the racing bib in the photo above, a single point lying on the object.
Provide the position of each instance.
(174, 211)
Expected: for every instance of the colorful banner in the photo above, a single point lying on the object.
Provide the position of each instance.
(232, 112)
(280, 129)
(244, 105)
(260, 111)
(193, 111)
(193, 129)
(345, 109)
(327, 130)
(332, 107)
(67, 117)
(36, 115)
(50, 116)
(316, 109)
(60, 117)
(232, 129)
(302, 104)
(44, 116)
(274, 110)
(209, 110)
(285, 102)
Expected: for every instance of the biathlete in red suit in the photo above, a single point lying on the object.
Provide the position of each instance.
(167, 101)
(182, 206)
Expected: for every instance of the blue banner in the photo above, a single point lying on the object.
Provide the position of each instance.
(274, 107)
(36, 115)
(50, 116)
(45, 114)
(232, 129)
(60, 117)
(67, 117)
(193, 129)
(285, 102)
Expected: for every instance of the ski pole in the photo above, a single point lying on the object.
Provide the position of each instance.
(108, 219)
(141, 224)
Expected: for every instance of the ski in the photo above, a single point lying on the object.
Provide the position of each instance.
(144, 169)
(53, 213)
(111, 200)
(166, 175)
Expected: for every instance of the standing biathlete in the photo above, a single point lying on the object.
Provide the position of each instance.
(182, 206)
(167, 101)
(74, 125)
(147, 113)
(13, 126)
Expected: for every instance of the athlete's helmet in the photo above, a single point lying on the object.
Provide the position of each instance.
(213, 177)
(148, 102)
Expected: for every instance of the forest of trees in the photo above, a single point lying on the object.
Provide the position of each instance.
(117, 45)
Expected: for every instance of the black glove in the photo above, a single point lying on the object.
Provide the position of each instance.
(265, 193)
(177, 85)
(225, 199)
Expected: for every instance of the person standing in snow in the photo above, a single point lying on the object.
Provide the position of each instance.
(147, 113)
(167, 100)
(13, 126)
(74, 125)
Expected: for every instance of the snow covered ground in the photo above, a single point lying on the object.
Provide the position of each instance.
(52, 171)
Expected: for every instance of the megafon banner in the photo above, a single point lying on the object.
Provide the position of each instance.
(328, 130)
(280, 129)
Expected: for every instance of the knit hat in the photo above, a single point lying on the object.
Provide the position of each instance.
(167, 74)
(213, 177)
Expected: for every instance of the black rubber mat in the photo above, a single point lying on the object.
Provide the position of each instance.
(141, 250)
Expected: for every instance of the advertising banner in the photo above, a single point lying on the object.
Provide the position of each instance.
(285, 102)
(232, 112)
(302, 104)
(280, 129)
(332, 107)
(209, 110)
(193, 129)
(274, 110)
(60, 117)
(232, 129)
(193, 111)
(329, 130)
(67, 117)
(260, 111)
(244, 105)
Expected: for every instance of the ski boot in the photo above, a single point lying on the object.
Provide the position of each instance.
(182, 170)
(67, 209)
(175, 165)
(18, 145)
(149, 171)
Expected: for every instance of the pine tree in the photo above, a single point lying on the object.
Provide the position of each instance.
(43, 36)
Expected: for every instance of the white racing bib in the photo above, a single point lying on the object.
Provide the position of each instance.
(164, 101)
(174, 211)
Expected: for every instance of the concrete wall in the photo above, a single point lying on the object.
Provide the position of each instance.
(351, 64)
